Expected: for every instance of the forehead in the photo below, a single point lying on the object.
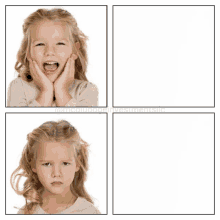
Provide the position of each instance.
(49, 30)
(55, 150)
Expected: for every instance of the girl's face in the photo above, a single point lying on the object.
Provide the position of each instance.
(51, 47)
(55, 167)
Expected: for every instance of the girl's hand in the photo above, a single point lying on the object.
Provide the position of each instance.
(62, 83)
(45, 97)
(66, 78)
(39, 78)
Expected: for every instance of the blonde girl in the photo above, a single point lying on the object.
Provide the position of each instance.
(52, 63)
(54, 163)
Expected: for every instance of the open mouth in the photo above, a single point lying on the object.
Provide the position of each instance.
(50, 66)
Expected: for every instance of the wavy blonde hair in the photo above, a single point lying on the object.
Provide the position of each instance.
(76, 35)
(50, 131)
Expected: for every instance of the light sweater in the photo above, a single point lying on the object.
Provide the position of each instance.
(81, 206)
(22, 93)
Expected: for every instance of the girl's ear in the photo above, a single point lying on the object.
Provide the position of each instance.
(77, 164)
(75, 54)
(33, 165)
(77, 168)
(77, 44)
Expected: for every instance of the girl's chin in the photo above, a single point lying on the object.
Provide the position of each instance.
(52, 76)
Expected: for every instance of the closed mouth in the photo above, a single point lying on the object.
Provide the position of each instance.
(56, 183)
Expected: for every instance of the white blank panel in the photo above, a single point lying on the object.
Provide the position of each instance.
(164, 56)
(163, 163)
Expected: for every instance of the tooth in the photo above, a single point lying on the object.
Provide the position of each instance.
(51, 62)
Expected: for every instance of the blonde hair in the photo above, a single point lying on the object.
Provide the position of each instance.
(50, 131)
(76, 35)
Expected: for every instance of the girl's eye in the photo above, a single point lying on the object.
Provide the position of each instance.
(46, 164)
(40, 44)
(60, 43)
(66, 163)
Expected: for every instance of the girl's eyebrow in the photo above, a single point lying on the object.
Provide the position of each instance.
(45, 160)
(52, 160)
(64, 39)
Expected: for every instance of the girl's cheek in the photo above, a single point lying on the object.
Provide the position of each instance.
(36, 54)
(63, 55)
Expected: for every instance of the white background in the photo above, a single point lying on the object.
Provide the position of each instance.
(110, 110)
(92, 129)
(163, 56)
(168, 163)
(94, 27)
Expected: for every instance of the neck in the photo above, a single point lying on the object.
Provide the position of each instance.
(54, 199)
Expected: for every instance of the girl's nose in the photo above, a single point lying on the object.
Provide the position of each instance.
(49, 50)
(56, 171)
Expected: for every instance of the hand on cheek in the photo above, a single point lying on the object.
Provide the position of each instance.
(39, 77)
(45, 95)
(62, 83)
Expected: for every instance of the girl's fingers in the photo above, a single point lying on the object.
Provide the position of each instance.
(28, 56)
(38, 70)
(32, 70)
(67, 67)
(69, 62)
(72, 71)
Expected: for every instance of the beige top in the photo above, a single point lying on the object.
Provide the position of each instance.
(81, 206)
(22, 93)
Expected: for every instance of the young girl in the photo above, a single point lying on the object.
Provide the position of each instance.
(52, 62)
(54, 162)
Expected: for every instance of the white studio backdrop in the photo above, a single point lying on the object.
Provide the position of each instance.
(164, 163)
(163, 55)
(94, 26)
(92, 129)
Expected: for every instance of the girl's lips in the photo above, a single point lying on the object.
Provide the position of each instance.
(56, 183)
